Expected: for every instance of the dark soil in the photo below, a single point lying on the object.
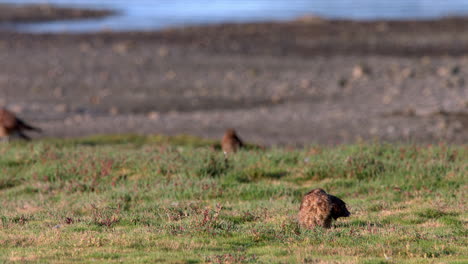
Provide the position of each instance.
(304, 82)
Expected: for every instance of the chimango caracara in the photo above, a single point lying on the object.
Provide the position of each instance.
(319, 208)
(11, 125)
(231, 142)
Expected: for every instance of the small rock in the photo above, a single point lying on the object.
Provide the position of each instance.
(343, 82)
(17, 108)
(305, 84)
(230, 76)
(95, 100)
(61, 108)
(441, 125)
(408, 112)
(275, 99)
(58, 92)
(457, 126)
(120, 48)
(425, 60)
(78, 118)
(406, 132)
(69, 121)
(199, 83)
(427, 92)
(105, 76)
(153, 115)
(113, 110)
(312, 91)
(455, 70)
(163, 52)
(443, 72)
(455, 82)
(360, 71)
(254, 72)
(85, 47)
(407, 73)
(170, 75)
(387, 99)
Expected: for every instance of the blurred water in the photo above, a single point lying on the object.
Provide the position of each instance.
(157, 14)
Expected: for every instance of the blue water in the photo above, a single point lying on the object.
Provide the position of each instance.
(157, 14)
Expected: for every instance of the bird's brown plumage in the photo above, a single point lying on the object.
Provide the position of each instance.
(231, 142)
(10, 124)
(319, 209)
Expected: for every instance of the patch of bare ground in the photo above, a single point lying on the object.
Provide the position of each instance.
(293, 83)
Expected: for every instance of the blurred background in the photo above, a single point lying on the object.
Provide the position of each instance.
(282, 72)
(150, 15)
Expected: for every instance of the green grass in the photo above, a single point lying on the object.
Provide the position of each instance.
(176, 200)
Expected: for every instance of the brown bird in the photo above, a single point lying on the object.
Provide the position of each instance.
(319, 209)
(12, 125)
(231, 142)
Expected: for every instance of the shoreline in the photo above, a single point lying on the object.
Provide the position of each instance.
(31, 13)
(410, 38)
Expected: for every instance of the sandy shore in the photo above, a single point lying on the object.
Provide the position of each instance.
(304, 82)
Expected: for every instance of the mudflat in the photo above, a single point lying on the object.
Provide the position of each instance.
(10, 13)
(309, 81)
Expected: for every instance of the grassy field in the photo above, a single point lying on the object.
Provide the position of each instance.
(175, 200)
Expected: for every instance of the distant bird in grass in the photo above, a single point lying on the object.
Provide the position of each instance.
(231, 142)
(11, 125)
(319, 208)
